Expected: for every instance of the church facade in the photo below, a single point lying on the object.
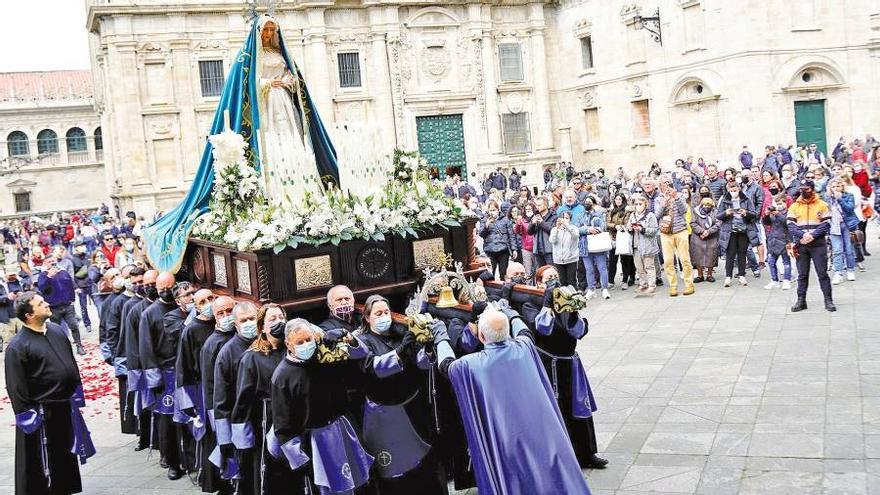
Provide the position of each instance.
(479, 85)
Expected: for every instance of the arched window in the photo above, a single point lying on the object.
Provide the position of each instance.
(76, 140)
(17, 143)
(47, 142)
(99, 139)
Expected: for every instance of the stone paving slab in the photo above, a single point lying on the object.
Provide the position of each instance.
(723, 392)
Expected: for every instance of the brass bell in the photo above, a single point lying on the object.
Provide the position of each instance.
(447, 298)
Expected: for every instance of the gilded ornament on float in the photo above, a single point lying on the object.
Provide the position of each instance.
(312, 272)
(568, 300)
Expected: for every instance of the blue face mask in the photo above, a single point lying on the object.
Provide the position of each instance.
(248, 329)
(189, 307)
(382, 324)
(227, 324)
(306, 350)
(207, 311)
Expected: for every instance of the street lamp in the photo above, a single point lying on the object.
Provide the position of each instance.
(652, 25)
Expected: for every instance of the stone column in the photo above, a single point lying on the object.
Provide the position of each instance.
(378, 76)
(317, 77)
(493, 119)
(541, 122)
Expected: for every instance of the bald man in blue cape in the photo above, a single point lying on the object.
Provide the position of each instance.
(515, 432)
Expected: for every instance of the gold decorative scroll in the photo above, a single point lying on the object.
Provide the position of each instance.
(314, 271)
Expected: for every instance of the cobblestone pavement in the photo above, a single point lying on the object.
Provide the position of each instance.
(722, 392)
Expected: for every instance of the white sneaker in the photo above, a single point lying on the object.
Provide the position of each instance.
(590, 294)
(771, 285)
(727, 281)
(786, 284)
(837, 279)
(743, 282)
(605, 294)
(851, 276)
(860, 266)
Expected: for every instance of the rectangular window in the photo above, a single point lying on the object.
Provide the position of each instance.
(591, 120)
(587, 52)
(693, 26)
(211, 77)
(349, 70)
(641, 120)
(510, 56)
(515, 131)
(22, 201)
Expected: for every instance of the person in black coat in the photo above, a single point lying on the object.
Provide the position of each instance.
(397, 416)
(309, 411)
(128, 349)
(225, 380)
(738, 230)
(211, 479)
(45, 389)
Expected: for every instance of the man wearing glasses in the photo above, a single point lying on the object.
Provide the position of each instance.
(110, 247)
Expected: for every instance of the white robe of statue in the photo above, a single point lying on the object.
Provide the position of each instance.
(288, 161)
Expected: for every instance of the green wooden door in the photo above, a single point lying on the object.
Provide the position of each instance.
(441, 142)
(809, 121)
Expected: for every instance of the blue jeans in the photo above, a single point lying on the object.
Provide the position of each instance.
(593, 262)
(786, 263)
(842, 250)
(83, 297)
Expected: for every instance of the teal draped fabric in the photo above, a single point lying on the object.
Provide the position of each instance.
(166, 239)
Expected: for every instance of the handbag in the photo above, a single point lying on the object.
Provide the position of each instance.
(599, 243)
(624, 244)
(666, 225)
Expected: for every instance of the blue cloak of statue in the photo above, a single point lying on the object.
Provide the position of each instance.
(165, 240)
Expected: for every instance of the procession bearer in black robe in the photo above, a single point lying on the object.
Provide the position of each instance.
(312, 433)
(221, 309)
(157, 349)
(45, 389)
(225, 374)
(252, 414)
(128, 348)
(397, 417)
(556, 336)
(189, 402)
(175, 321)
(112, 321)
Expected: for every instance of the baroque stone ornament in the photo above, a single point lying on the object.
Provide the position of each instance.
(426, 251)
(312, 272)
(436, 62)
(589, 99)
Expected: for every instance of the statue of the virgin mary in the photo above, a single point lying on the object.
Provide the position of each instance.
(268, 103)
(287, 159)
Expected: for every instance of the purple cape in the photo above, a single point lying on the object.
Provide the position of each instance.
(515, 432)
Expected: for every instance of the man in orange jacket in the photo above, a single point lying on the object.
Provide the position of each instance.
(808, 223)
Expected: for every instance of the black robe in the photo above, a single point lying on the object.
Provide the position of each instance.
(356, 381)
(42, 372)
(581, 431)
(111, 315)
(187, 373)
(157, 350)
(307, 395)
(225, 376)
(209, 478)
(428, 477)
(128, 348)
(253, 385)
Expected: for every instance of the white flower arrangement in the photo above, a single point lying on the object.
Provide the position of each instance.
(240, 215)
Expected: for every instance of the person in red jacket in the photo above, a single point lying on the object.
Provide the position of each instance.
(110, 247)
